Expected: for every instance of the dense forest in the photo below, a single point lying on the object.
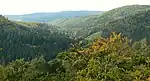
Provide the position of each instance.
(106, 59)
(111, 46)
(89, 25)
(30, 40)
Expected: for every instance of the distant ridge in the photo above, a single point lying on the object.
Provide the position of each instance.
(46, 17)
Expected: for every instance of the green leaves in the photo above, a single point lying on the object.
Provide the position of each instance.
(111, 59)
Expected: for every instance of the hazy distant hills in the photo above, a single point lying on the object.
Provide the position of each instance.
(45, 17)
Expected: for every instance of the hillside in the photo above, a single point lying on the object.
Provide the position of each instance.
(89, 25)
(136, 27)
(45, 17)
(30, 40)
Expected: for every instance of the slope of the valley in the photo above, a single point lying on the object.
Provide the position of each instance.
(136, 26)
(88, 25)
(28, 40)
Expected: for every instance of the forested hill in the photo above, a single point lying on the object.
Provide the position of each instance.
(89, 26)
(134, 23)
(104, 17)
(136, 27)
(45, 17)
(30, 40)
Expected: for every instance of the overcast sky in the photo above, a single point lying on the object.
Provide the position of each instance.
(32, 6)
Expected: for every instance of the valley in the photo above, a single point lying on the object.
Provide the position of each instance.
(77, 46)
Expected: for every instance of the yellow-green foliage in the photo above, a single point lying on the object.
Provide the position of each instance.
(106, 59)
(111, 59)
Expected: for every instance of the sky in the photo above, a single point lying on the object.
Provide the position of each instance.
(17, 7)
